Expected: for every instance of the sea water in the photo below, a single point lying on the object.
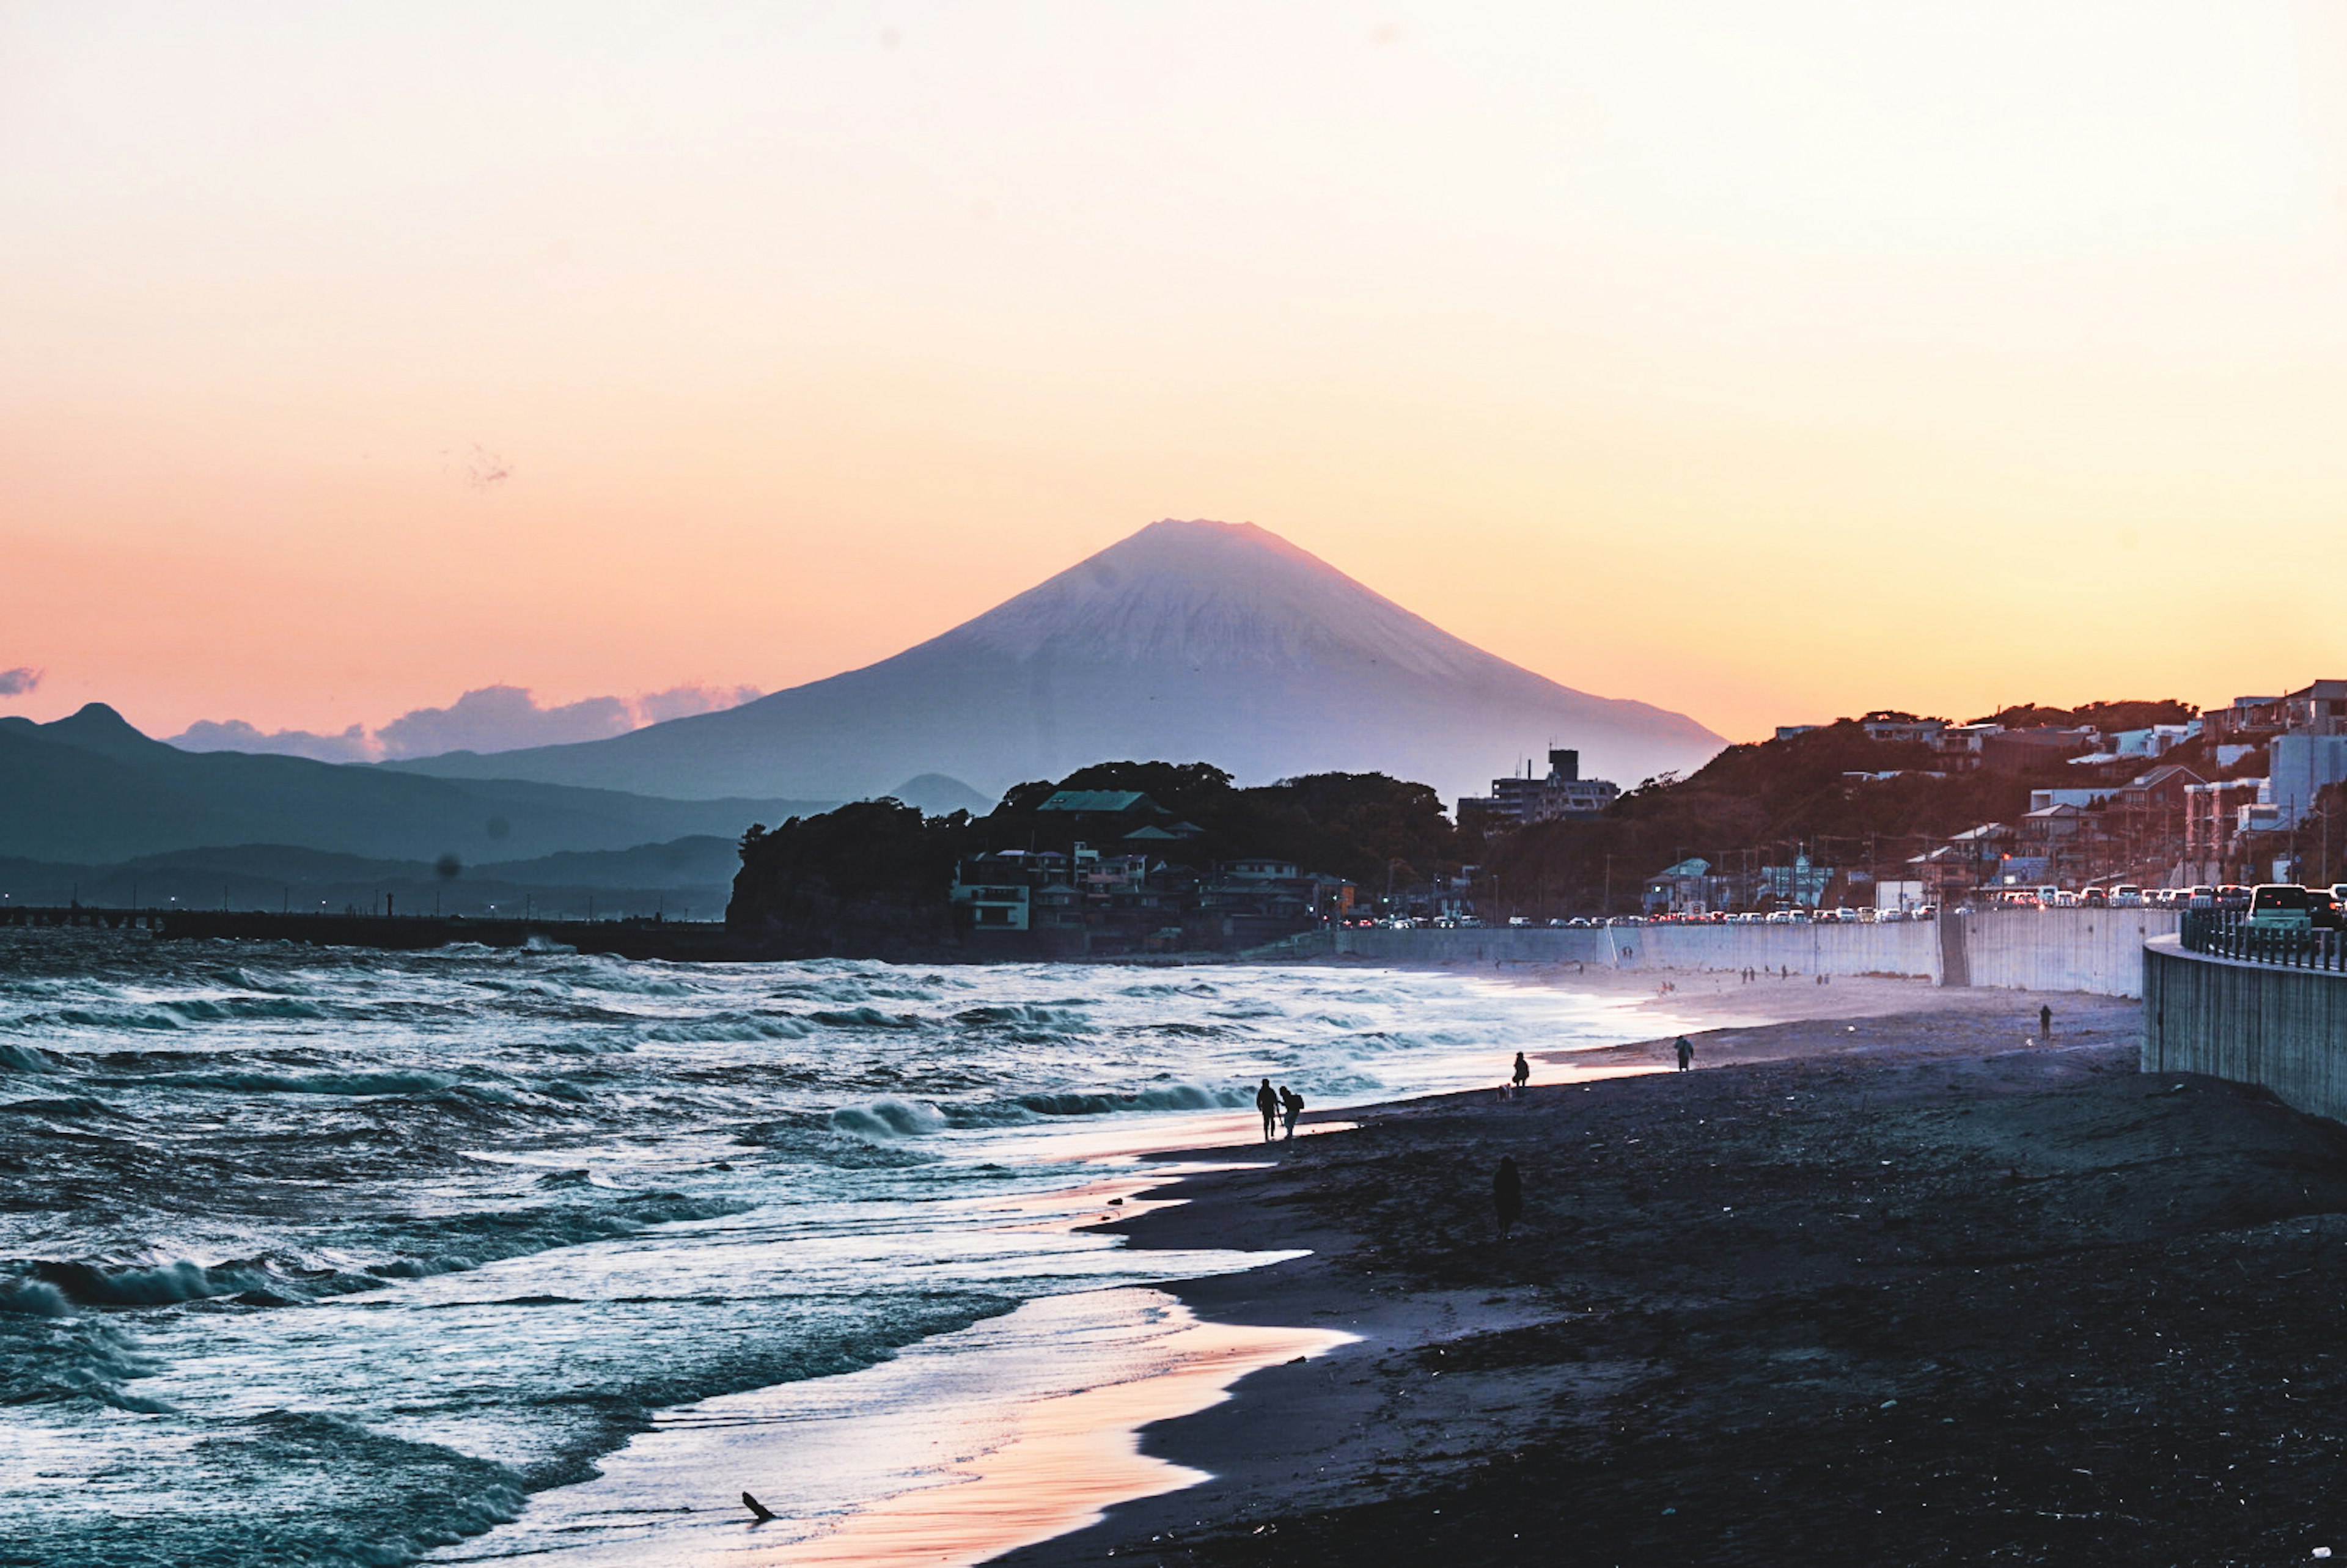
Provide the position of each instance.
(331, 1256)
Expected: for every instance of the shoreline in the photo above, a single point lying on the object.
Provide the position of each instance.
(1879, 1287)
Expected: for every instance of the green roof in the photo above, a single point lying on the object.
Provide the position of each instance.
(1099, 802)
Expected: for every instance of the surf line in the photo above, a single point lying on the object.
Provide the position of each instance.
(963, 1446)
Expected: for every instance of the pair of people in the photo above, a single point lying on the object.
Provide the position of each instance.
(1278, 1104)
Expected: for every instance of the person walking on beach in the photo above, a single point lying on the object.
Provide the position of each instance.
(2046, 1025)
(1292, 1105)
(1522, 1075)
(1268, 1104)
(1507, 1196)
(1687, 1053)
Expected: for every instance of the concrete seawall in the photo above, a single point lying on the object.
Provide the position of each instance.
(2099, 950)
(2253, 1023)
(2061, 949)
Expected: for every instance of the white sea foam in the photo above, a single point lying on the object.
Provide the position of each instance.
(456, 1223)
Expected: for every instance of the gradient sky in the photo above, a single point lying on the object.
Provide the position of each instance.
(1765, 362)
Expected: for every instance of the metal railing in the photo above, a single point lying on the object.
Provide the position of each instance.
(2228, 933)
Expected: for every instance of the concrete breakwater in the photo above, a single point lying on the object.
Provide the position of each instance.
(2268, 1024)
(2099, 950)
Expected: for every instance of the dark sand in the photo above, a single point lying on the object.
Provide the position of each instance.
(1883, 1290)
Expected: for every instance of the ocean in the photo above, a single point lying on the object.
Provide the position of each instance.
(339, 1257)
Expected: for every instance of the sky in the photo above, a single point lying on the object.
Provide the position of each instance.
(1766, 363)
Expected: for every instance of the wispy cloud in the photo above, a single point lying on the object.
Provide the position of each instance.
(22, 678)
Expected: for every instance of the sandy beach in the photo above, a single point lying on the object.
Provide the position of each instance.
(1890, 1283)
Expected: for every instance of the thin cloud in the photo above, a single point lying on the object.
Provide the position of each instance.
(22, 678)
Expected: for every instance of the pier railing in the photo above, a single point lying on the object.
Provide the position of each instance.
(2228, 933)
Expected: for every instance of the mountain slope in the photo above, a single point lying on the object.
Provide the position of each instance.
(1188, 641)
(92, 789)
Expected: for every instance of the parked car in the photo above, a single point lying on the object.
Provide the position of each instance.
(2127, 895)
(2232, 895)
(2324, 909)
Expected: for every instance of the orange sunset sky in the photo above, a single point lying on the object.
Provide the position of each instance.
(1764, 362)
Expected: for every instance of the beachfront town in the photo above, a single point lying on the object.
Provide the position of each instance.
(2101, 810)
(1126, 888)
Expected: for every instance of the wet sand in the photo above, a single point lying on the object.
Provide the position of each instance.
(1889, 1286)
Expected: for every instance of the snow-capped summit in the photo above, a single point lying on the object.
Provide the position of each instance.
(1195, 640)
(1201, 593)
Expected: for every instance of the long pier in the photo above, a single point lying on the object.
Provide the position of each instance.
(81, 915)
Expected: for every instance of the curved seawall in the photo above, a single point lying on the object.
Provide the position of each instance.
(2098, 951)
(2254, 1023)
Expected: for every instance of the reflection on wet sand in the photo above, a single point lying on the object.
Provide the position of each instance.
(969, 1445)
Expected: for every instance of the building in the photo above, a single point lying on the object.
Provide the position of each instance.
(1904, 727)
(2212, 820)
(990, 903)
(1047, 903)
(1802, 884)
(2152, 741)
(2159, 792)
(2319, 710)
(1121, 807)
(2299, 764)
(1563, 795)
(2019, 751)
(2245, 720)
(1787, 732)
(2041, 799)
(1686, 888)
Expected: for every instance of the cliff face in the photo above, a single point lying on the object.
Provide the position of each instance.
(1219, 641)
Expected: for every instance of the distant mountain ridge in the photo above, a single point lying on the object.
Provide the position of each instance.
(1188, 640)
(91, 789)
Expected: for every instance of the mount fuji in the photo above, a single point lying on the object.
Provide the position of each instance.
(1187, 641)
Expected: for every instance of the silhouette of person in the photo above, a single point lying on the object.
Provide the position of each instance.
(1292, 1104)
(2046, 1025)
(1268, 1104)
(1687, 1053)
(1507, 1196)
(1523, 1073)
